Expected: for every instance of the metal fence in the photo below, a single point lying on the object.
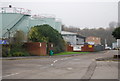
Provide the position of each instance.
(99, 48)
(15, 10)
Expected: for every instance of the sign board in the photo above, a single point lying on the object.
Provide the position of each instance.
(3, 41)
(90, 46)
(91, 43)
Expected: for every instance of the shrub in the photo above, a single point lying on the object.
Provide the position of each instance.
(116, 33)
(18, 50)
(16, 54)
(5, 51)
(14, 50)
(45, 33)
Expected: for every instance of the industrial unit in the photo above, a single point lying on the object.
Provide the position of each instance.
(73, 39)
(13, 19)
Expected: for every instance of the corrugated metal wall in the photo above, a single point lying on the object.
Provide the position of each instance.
(99, 48)
(58, 26)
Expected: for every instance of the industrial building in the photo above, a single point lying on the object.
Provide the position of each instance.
(77, 41)
(73, 38)
(13, 19)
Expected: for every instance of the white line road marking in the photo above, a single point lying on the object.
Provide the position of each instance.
(51, 64)
(69, 68)
(9, 75)
(55, 61)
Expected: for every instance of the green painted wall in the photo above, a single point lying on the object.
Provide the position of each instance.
(0, 25)
(58, 26)
(34, 22)
(24, 22)
(50, 21)
(10, 19)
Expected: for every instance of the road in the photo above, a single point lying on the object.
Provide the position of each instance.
(69, 67)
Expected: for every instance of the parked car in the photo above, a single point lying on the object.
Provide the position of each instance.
(108, 48)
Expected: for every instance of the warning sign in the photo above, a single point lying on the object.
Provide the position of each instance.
(3, 41)
(90, 46)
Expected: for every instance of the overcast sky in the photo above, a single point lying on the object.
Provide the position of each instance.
(78, 13)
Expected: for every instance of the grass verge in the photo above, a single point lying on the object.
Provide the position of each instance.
(68, 53)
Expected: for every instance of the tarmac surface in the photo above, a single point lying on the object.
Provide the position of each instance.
(82, 66)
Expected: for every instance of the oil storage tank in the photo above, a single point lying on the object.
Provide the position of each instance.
(14, 19)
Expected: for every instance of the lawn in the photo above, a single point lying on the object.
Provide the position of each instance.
(68, 53)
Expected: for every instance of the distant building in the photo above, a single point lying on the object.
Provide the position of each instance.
(93, 40)
(73, 38)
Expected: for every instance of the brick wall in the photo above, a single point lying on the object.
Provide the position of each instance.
(87, 48)
(36, 48)
(69, 48)
(96, 40)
